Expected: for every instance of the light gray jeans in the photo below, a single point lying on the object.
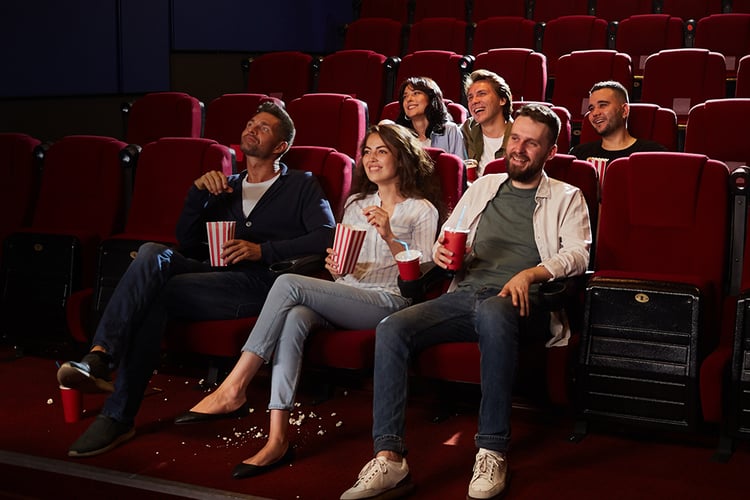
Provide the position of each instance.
(295, 306)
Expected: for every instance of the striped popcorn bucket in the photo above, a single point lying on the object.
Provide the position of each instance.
(347, 244)
(218, 233)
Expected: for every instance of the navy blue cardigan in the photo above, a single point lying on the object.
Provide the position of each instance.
(293, 218)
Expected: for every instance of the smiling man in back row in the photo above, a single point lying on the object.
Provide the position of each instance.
(609, 108)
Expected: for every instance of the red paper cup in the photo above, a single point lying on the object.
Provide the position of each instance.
(72, 403)
(601, 166)
(347, 243)
(472, 170)
(408, 264)
(455, 241)
(218, 234)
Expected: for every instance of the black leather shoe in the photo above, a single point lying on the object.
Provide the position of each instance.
(194, 417)
(243, 470)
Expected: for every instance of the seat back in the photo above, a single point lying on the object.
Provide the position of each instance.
(484, 9)
(681, 78)
(645, 121)
(439, 8)
(711, 131)
(691, 9)
(163, 114)
(457, 111)
(742, 88)
(664, 215)
(546, 10)
(451, 170)
(228, 114)
(524, 70)
(367, 83)
(503, 31)
(440, 65)
(20, 173)
(566, 34)
(286, 75)
(728, 34)
(337, 121)
(742, 6)
(398, 10)
(438, 33)
(81, 187)
(332, 168)
(166, 170)
(639, 36)
(617, 10)
(382, 35)
(565, 137)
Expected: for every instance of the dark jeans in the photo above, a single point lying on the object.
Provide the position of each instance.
(160, 284)
(460, 316)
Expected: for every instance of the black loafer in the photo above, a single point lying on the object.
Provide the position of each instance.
(102, 435)
(243, 470)
(194, 417)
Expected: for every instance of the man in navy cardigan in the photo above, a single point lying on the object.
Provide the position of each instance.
(280, 214)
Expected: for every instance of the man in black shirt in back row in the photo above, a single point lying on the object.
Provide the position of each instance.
(608, 113)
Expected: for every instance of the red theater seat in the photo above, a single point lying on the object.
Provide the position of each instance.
(653, 305)
(546, 10)
(163, 114)
(286, 75)
(81, 201)
(681, 78)
(483, 9)
(504, 32)
(439, 33)
(524, 70)
(728, 34)
(382, 35)
(617, 10)
(367, 83)
(711, 131)
(20, 173)
(640, 36)
(337, 121)
(566, 34)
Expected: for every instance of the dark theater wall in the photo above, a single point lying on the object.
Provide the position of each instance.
(68, 66)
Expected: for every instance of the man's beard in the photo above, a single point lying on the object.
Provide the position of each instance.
(523, 175)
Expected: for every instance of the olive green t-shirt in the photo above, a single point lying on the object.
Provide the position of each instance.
(504, 240)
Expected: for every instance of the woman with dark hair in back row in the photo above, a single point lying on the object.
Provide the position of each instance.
(423, 110)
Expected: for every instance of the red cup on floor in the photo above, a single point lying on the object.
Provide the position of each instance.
(72, 403)
(408, 264)
(455, 241)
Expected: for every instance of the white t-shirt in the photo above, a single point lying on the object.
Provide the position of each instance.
(491, 144)
(253, 191)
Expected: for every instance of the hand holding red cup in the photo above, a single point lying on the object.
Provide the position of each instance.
(455, 241)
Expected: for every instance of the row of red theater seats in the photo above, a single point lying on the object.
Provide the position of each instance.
(676, 78)
(682, 199)
(637, 35)
(542, 10)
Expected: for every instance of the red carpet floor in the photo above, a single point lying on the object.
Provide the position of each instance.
(333, 442)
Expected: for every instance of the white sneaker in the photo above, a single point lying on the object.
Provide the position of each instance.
(490, 473)
(378, 476)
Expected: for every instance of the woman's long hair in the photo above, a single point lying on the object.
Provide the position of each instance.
(436, 111)
(414, 166)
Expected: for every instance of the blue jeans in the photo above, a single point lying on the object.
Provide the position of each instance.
(466, 315)
(159, 284)
(298, 304)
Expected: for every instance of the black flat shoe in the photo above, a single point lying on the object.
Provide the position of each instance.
(194, 417)
(243, 470)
